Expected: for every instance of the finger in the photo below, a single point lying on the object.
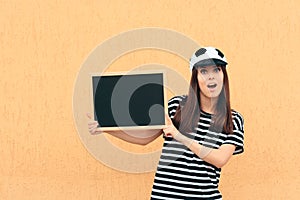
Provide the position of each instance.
(92, 123)
(168, 120)
(89, 115)
(96, 131)
(93, 130)
(169, 135)
(92, 127)
(166, 128)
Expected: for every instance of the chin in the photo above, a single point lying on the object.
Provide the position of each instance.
(214, 95)
(211, 95)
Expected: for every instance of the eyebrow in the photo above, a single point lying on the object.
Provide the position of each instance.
(204, 67)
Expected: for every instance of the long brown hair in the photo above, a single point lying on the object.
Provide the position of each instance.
(188, 112)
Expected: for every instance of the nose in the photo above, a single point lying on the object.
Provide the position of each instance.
(211, 76)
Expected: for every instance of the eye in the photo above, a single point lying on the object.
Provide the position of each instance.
(217, 69)
(203, 71)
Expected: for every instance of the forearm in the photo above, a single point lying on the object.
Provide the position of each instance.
(140, 138)
(217, 157)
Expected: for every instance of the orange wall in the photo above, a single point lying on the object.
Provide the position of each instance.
(44, 43)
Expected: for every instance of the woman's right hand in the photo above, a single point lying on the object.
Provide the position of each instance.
(92, 125)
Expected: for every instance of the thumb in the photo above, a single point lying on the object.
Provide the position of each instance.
(89, 115)
(168, 120)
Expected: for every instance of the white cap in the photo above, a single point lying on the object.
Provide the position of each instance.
(206, 56)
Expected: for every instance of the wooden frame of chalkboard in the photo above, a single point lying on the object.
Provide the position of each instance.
(134, 100)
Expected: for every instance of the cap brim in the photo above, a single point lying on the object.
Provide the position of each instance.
(209, 62)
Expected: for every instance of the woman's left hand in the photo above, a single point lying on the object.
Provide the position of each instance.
(170, 130)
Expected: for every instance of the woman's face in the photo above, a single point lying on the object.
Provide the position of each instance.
(210, 80)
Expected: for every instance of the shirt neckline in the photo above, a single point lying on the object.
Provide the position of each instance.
(206, 113)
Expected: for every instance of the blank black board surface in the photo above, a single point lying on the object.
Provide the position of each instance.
(129, 100)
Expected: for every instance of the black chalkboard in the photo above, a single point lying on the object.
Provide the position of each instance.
(129, 100)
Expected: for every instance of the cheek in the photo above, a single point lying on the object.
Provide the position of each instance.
(221, 81)
(220, 78)
(201, 78)
(201, 82)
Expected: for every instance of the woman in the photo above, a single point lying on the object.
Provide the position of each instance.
(201, 133)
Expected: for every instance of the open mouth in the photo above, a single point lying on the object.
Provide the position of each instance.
(212, 86)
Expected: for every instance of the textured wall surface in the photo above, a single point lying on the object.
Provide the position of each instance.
(44, 43)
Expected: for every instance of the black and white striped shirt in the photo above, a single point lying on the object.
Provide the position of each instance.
(181, 174)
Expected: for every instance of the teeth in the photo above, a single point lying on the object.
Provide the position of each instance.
(212, 85)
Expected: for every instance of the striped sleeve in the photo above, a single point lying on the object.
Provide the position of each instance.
(237, 138)
(173, 104)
